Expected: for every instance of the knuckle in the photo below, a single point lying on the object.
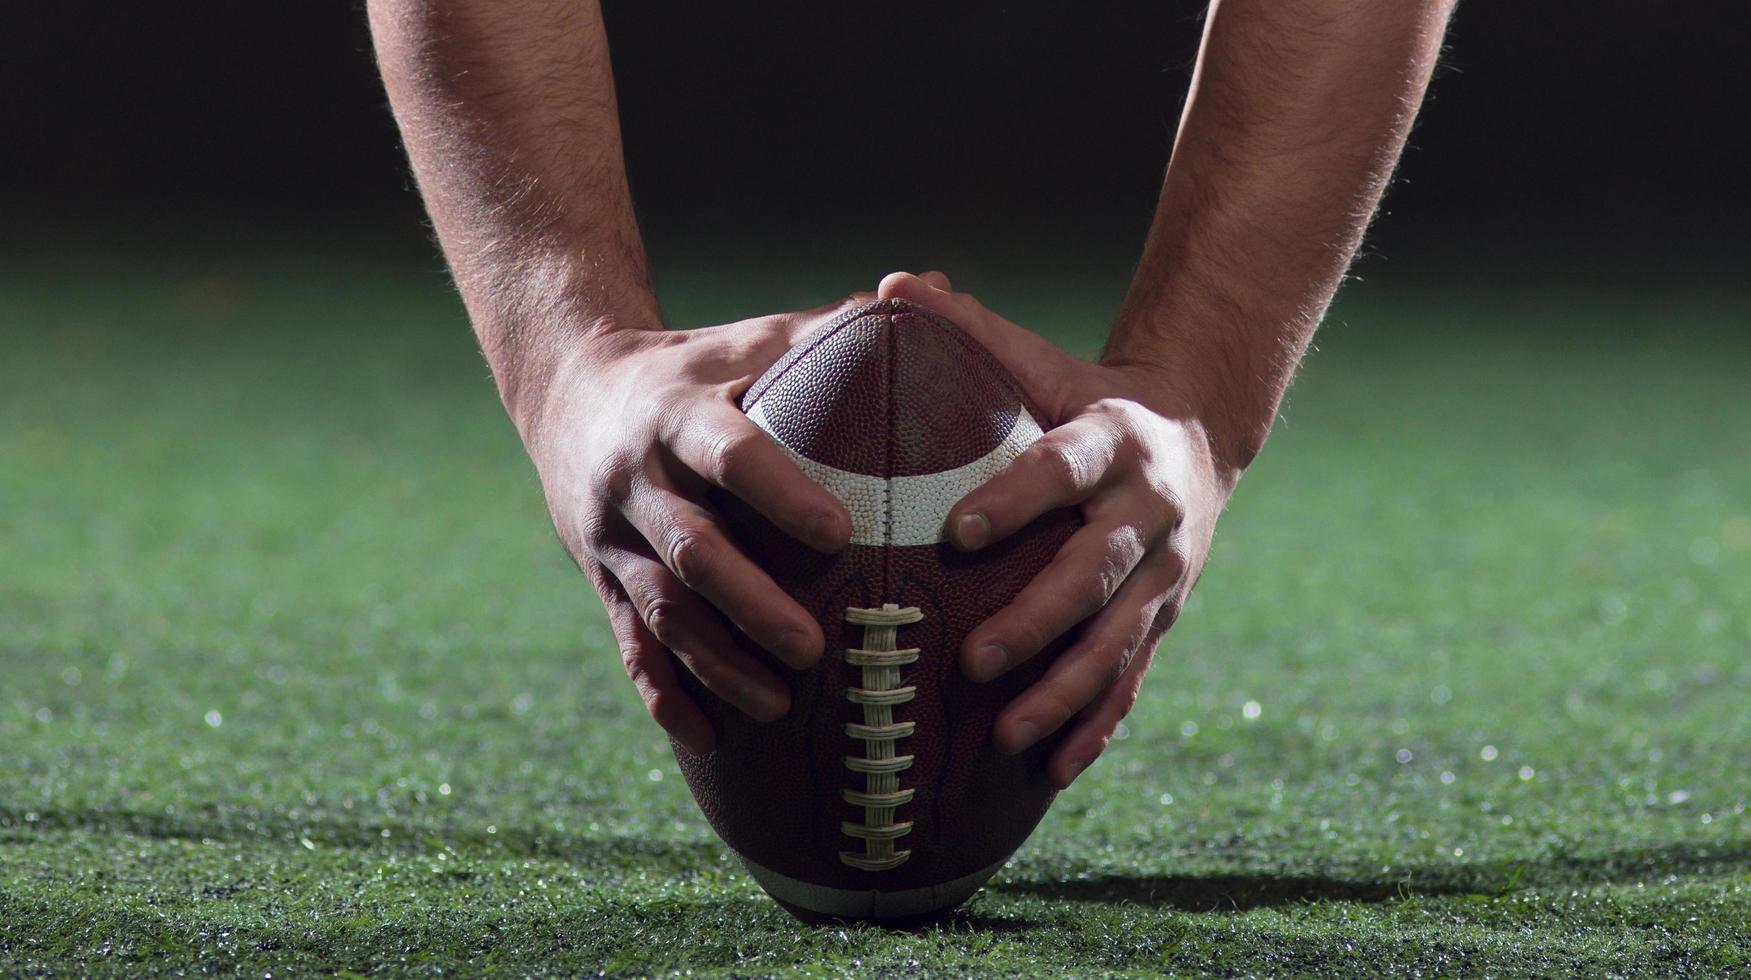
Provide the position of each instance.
(1131, 427)
(1175, 559)
(689, 555)
(1092, 593)
(1106, 582)
(1127, 700)
(725, 454)
(665, 708)
(660, 617)
(624, 625)
(593, 532)
(716, 450)
(1107, 406)
(1161, 512)
(1098, 591)
(1170, 504)
(663, 703)
(1114, 668)
(1121, 549)
(600, 580)
(1169, 613)
(1119, 413)
(1068, 466)
(615, 475)
(1130, 651)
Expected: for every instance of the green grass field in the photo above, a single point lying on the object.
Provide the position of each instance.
(295, 678)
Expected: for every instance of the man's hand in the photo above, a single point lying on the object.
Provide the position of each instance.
(1296, 115)
(637, 427)
(1139, 467)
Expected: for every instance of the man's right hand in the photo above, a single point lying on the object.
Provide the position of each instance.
(508, 114)
(635, 429)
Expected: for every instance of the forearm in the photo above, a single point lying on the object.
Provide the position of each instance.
(1297, 114)
(508, 114)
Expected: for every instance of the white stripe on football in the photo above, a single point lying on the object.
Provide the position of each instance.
(907, 510)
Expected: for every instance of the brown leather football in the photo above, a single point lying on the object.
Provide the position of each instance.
(880, 795)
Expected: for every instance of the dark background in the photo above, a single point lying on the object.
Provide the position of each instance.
(1579, 140)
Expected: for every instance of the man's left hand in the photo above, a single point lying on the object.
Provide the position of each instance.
(1124, 450)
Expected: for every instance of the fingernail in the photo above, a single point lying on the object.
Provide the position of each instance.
(972, 531)
(989, 661)
(1026, 734)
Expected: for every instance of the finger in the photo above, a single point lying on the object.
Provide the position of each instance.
(1097, 660)
(890, 286)
(1062, 467)
(1093, 729)
(694, 547)
(727, 450)
(1035, 361)
(652, 670)
(925, 290)
(1084, 574)
(682, 622)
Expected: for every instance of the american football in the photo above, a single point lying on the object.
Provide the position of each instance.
(880, 796)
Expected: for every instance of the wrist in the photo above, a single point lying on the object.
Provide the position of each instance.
(541, 317)
(574, 381)
(1230, 392)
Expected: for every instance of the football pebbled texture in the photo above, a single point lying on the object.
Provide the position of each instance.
(880, 795)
